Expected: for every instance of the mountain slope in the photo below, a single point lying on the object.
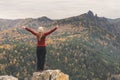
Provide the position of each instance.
(5, 23)
(85, 47)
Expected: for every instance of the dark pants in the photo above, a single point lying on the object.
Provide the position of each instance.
(41, 52)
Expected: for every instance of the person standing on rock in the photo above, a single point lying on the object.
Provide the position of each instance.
(41, 45)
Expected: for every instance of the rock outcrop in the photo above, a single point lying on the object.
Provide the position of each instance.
(7, 78)
(50, 75)
(115, 77)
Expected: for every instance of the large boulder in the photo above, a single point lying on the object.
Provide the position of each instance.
(50, 75)
(6, 77)
(115, 77)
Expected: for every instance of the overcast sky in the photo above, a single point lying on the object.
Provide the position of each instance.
(57, 9)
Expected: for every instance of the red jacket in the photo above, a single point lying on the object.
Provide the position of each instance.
(42, 41)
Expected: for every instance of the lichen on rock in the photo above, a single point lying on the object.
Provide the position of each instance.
(6, 77)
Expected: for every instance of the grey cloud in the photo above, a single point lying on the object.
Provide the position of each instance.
(58, 8)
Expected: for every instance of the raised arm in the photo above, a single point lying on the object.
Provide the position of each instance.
(52, 30)
(30, 30)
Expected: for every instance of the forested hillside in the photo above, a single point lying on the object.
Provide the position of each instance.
(86, 47)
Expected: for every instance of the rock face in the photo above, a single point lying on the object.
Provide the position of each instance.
(7, 78)
(50, 75)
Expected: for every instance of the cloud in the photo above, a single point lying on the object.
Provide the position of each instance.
(57, 8)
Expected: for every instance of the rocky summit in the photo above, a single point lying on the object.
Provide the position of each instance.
(50, 75)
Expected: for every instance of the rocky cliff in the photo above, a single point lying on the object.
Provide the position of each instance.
(45, 75)
(50, 75)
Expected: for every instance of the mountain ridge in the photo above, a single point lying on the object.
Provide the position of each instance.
(92, 18)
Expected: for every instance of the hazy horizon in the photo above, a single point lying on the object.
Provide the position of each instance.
(57, 9)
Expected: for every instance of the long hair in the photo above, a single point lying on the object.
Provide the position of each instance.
(40, 33)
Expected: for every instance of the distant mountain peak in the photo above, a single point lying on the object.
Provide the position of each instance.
(90, 13)
(44, 18)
